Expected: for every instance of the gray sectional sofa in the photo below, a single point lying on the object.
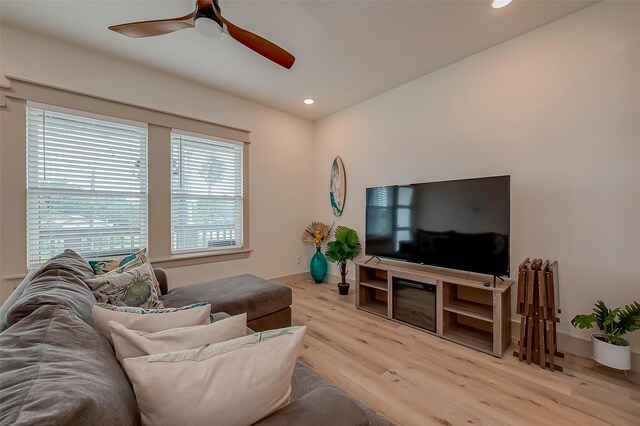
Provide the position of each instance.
(268, 305)
(56, 368)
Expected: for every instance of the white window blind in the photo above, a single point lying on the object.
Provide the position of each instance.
(86, 186)
(206, 194)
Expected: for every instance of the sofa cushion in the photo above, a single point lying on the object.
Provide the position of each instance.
(12, 299)
(61, 281)
(235, 295)
(236, 382)
(135, 343)
(305, 380)
(56, 369)
(322, 406)
(161, 278)
(68, 261)
(150, 320)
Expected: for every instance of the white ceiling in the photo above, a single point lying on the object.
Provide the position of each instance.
(346, 51)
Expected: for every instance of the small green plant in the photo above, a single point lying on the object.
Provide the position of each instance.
(344, 248)
(613, 323)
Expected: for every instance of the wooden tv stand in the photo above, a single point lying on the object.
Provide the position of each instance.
(467, 312)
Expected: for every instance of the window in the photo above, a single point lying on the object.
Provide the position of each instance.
(86, 185)
(390, 213)
(404, 201)
(206, 194)
(380, 211)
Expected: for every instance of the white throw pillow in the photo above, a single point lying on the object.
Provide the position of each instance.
(150, 320)
(236, 382)
(135, 343)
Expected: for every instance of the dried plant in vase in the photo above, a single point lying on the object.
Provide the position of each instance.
(316, 233)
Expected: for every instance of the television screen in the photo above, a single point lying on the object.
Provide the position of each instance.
(458, 224)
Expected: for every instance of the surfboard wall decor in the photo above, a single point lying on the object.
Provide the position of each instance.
(337, 186)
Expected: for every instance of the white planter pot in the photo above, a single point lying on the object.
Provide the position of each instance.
(613, 356)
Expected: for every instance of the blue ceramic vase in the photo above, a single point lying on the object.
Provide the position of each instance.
(318, 266)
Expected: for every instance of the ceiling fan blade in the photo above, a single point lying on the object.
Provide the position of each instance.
(258, 44)
(154, 28)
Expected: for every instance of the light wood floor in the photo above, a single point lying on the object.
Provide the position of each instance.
(418, 379)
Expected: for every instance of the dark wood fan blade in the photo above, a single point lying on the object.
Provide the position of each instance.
(258, 44)
(154, 28)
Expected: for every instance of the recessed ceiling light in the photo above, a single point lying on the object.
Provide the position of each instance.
(497, 4)
(309, 101)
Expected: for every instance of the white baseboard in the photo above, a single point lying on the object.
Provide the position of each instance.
(334, 279)
(574, 345)
(305, 276)
(292, 279)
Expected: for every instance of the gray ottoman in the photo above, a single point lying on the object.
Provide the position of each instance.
(267, 304)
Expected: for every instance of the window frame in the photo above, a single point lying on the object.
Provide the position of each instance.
(13, 98)
(242, 245)
(144, 196)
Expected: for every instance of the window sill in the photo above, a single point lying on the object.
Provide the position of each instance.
(175, 261)
(15, 277)
(200, 258)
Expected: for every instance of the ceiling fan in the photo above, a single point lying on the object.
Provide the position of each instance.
(207, 18)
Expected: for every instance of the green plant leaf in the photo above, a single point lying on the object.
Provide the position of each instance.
(601, 311)
(611, 317)
(584, 321)
(614, 323)
(617, 341)
(628, 319)
(345, 247)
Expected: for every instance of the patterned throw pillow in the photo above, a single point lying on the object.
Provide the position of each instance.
(137, 261)
(122, 264)
(134, 287)
(102, 266)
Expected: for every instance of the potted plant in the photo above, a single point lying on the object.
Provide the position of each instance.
(344, 248)
(609, 348)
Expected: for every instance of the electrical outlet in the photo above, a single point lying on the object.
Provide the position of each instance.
(297, 259)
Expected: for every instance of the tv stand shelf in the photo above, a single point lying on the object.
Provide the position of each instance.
(379, 284)
(470, 309)
(467, 311)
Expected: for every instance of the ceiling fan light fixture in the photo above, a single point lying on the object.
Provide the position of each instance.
(208, 27)
(497, 4)
(309, 101)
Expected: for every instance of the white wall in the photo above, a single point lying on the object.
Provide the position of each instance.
(281, 150)
(558, 109)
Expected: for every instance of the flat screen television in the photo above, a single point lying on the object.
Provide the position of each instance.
(457, 224)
